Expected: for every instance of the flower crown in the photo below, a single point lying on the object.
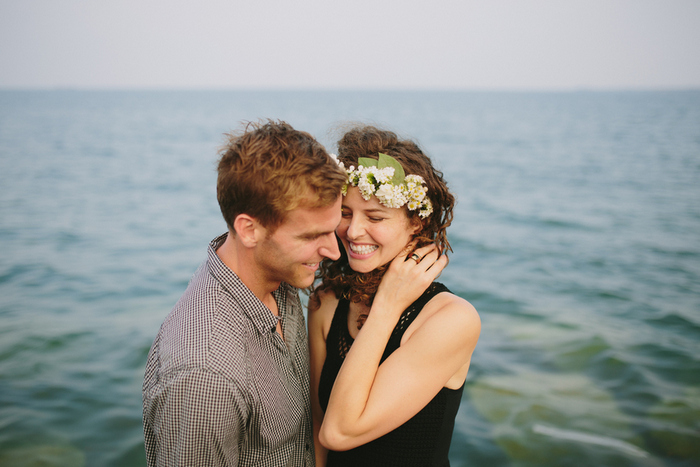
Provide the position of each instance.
(386, 179)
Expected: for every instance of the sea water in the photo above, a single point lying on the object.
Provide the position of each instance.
(576, 236)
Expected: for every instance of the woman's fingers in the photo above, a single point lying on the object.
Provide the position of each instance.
(427, 255)
(417, 267)
(431, 262)
(408, 277)
(419, 253)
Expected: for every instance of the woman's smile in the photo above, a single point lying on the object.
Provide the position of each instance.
(361, 249)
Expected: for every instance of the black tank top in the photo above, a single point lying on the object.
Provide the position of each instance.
(424, 440)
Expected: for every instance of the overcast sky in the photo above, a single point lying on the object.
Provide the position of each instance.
(440, 44)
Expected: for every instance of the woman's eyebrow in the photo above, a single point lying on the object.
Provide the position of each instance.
(375, 210)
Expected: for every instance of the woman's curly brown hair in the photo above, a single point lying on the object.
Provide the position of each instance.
(369, 141)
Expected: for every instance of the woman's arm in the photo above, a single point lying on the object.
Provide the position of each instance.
(321, 308)
(369, 400)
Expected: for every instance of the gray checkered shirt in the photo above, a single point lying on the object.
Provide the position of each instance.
(222, 388)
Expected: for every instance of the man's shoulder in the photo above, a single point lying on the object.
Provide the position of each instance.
(206, 322)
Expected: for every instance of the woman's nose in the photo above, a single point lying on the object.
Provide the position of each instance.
(355, 228)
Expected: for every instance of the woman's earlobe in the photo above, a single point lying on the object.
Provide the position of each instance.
(417, 227)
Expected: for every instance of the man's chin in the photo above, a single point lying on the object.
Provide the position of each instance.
(303, 282)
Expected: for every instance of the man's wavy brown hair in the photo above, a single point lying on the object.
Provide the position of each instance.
(369, 141)
(269, 169)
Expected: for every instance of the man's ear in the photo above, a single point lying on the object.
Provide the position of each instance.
(248, 230)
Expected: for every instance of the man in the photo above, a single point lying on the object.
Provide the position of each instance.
(227, 377)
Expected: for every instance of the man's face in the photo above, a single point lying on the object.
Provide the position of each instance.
(293, 252)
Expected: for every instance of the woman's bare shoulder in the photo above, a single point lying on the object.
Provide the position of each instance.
(322, 305)
(461, 315)
(464, 311)
(449, 315)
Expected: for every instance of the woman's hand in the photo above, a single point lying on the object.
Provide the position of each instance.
(408, 276)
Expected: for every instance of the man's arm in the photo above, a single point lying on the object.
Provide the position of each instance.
(194, 418)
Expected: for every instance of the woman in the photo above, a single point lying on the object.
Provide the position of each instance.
(390, 348)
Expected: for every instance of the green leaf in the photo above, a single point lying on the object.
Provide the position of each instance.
(388, 161)
(385, 161)
(367, 162)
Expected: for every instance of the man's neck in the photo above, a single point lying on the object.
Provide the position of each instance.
(240, 260)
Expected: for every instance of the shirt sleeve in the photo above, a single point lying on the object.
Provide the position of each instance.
(195, 418)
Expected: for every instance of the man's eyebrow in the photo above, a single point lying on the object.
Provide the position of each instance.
(315, 234)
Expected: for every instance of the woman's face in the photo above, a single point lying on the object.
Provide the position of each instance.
(371, 233)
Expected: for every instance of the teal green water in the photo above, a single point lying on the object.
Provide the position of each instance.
(577, 237)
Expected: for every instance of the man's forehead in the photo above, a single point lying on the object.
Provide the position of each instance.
(318, 220)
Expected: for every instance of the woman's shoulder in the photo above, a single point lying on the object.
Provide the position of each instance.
(449, 303)
(452, 312)
(322, 305)
(322, 298)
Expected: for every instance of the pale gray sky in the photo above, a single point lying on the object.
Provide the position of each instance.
(442, 44)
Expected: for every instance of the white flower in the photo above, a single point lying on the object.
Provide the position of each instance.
(385, 192)
(337, 161)
(365, 186)
(427, 209)
(383, 175)
(415, 179)
(372, 180)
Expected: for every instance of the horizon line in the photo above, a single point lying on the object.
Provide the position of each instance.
(475, 89)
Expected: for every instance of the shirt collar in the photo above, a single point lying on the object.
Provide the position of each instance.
(258, 313)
